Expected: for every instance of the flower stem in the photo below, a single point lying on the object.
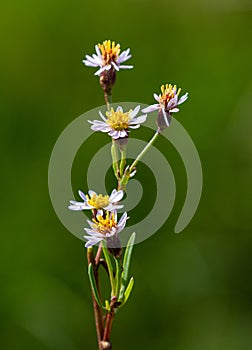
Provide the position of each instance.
(97, 309)
(123, 161)
(108, 324)
(114, 158)
(142, 153)
(108, 99)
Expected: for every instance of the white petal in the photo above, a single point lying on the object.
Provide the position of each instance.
(91, 243)
(89, 64)
(124, 56)
(134, 126)
(174, 110)
(115, 207)
(156, 97)
(122, 222)
(115, 134)
(102, 116)
(151, 108)
(98, 52)
(116, 196)
(115, 66)
(165, 117)
(82, 195)
(126, 67)
(134, 112)
(101, 128)
(183, 98)
(119, 108)
(173, 102)
(91, 192)
(94, 60)
(99, 213)
(139, 120)
(123, 133)
(116, 137)
(75, 207)
(99, 71)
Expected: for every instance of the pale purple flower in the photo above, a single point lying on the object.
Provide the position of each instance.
(168, 102)
(117, 123)
(95, 201)
(108, 57)
(104, 228)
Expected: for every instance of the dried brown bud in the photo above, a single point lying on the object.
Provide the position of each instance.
(114, 246)
(107, 80)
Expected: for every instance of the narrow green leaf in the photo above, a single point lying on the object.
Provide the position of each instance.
(117, 277)
(110, 268)
(126, 264)
(123, 161)
(93, 284)
(128, 291)
(114, 158)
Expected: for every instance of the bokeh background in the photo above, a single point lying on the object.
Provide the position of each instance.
(193, 290)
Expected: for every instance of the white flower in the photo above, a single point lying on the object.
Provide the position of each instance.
(104, 228)
(95, 201)
(108, 57)
(116, 123)
(167, 102)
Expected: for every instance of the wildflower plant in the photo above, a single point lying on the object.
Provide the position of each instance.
(103, 231)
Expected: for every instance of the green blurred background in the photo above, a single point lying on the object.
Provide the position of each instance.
(193, 290)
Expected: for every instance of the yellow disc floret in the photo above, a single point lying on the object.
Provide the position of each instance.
(98, 201)
(104, 225)
(168, 92)
(110, 51)
(118, 120)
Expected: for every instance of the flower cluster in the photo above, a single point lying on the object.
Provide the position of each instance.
(117, 124)
(104, 225)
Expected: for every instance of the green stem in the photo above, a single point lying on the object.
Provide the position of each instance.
(142, 153)
(123, 161)
(114, 158)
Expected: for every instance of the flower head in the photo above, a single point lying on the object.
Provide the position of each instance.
(108, 57)
(98, 201)
(104, 227)
(167, 104)
(117, 122)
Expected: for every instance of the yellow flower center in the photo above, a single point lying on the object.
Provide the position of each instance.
(98, 201)
(168, 92)
(117, 119)
(110, 51)
(105, 225)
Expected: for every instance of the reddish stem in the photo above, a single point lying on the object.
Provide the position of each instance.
(97, 309)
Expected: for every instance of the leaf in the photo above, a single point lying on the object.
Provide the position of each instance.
(110, 268)
(126, 264)
(117, 277)
(93, 284)
(128, 291)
